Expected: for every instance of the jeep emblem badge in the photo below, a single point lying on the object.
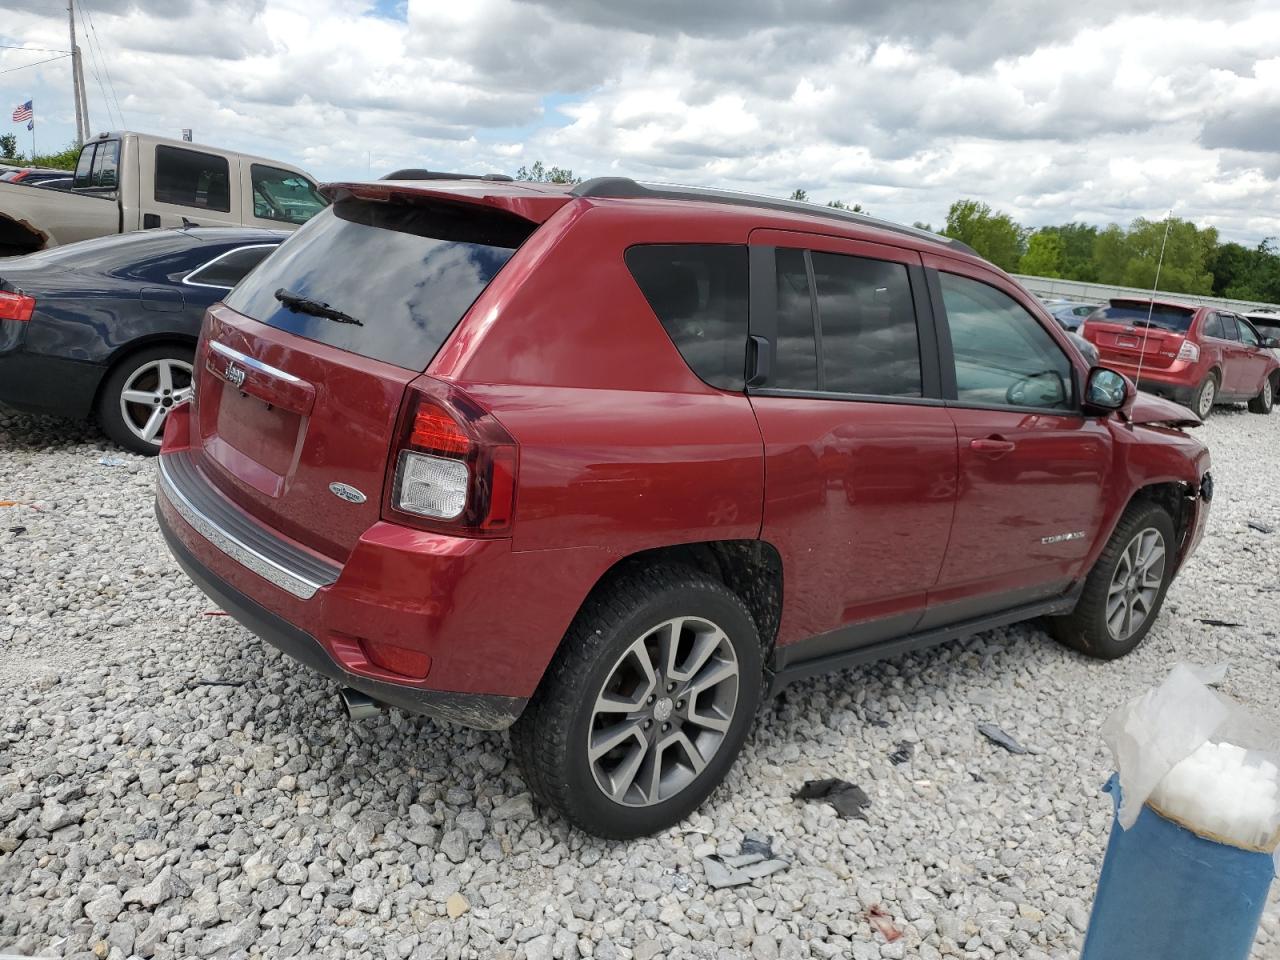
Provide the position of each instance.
(347, 492)
(235, 375)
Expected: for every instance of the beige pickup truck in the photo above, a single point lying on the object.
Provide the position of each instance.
(133, 181)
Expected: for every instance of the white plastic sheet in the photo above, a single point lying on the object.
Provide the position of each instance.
(1155, 732)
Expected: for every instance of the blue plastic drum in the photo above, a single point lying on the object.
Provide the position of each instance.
(1167, 894)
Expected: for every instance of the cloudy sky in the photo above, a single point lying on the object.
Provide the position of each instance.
(1071, 110)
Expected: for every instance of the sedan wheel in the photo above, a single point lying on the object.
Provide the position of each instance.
(139, 393)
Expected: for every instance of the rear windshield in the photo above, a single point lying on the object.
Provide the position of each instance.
(407, 273)
(1177, 319)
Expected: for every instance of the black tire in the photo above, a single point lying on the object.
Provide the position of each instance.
(1085, 629)
(550, 740)
(126, 371)
(1198, 404)
(1266, 397)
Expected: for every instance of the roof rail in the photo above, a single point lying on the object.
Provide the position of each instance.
(413, 173)
(624, 188)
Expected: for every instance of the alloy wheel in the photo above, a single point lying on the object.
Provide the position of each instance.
(1207, 396)
(151, 391)
(664, 711)
(1135, 584)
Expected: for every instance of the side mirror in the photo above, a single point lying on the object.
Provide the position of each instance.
(1107, 391)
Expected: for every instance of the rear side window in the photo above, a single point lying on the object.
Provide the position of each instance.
(407, 272)
(190, 178)
(1227, 324)
(1213, 326)
(230, 268)
(699, 293)
(868, 324)
(1177, 319)
(796, 352)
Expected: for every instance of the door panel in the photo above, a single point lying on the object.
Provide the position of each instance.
(858, 500)
(1255, 361)
(860, 453)
(1042, 483)
(1031, 466)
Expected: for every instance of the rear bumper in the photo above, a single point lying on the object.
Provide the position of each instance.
(482, 711)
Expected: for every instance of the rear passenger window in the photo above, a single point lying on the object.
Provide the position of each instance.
(190, 178)
(230, 268)
(795, 352)
(699, 293)
(1227, 324)
(868, 325)
(1003, 356)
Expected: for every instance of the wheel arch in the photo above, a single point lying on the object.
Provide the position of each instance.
(752, 569)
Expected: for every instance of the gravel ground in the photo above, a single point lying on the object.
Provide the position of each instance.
(172, 787)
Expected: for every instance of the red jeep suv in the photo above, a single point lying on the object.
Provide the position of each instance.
(1198, 356)
(611, 463)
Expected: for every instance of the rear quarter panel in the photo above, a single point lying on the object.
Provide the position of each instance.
(622, 447)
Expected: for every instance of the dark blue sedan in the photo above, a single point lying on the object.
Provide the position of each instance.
(109, 326)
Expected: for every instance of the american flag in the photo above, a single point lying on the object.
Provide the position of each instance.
(23, 112)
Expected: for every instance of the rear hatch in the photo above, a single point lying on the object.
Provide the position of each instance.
(301, 373)
(1128, 330)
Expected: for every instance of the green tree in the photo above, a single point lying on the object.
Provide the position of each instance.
(64, 159)
(1187, 255)
(1077, 242)
(542, 174)
(993, 234)
(1110, 255)
(851, 207)
(1256, 274)
(8, 146)
(798, 194)
(1044, 255)
(921, 225)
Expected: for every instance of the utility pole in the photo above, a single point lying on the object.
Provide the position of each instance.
(77, 81)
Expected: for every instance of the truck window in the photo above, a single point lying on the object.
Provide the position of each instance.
(283, 195)
(84, 167)
(106, 163)
(190, 178)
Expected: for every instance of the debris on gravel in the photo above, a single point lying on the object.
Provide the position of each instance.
(145, 811)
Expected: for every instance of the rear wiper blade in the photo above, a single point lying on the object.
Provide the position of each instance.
(301, 304)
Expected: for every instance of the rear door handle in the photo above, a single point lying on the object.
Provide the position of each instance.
(992, 447)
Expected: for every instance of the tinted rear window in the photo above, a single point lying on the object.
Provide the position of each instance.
(699, 292)
(408, 273)
(1177, 319)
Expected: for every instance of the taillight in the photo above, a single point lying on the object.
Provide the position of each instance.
(454, 466)
(1188, 351)
(16, 306)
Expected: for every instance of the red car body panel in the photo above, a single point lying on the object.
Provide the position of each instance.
(886, 517)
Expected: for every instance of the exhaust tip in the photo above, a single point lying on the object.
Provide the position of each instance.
(359, 706)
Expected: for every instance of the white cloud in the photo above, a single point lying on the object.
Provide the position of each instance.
(1089, 111)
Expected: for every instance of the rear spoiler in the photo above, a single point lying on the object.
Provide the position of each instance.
(527, 203)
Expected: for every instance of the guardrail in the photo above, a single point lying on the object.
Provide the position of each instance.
(1101, 292)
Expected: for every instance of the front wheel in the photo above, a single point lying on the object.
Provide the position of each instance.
(1265, 399)
(1125, 589)
(140, 391)
(645, 706)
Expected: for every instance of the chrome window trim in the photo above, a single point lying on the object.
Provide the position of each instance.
(187, 281)
(302, 587)
(233, 354)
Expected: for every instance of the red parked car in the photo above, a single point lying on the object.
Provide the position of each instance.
(612, 463)
(1198, 356)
